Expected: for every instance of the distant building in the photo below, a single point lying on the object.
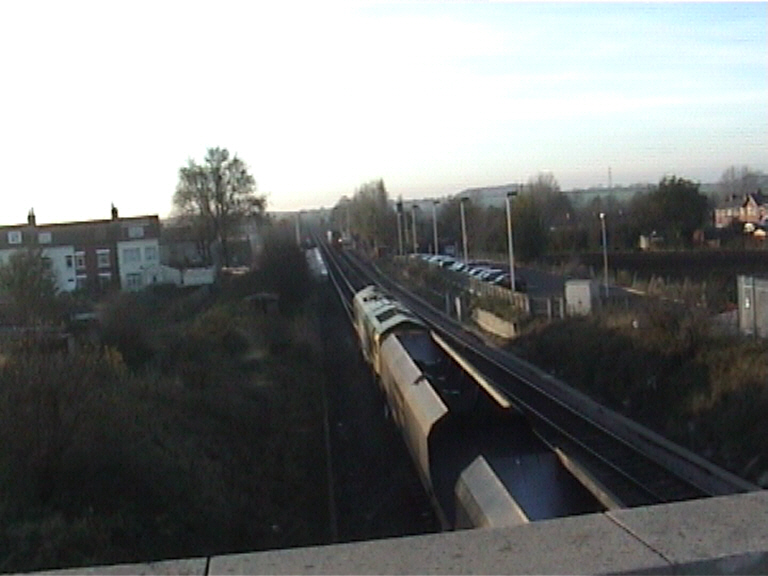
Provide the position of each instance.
(94, 255)
(749, 209)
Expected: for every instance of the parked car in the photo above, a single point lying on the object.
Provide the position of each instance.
(491, 274)
(476, 271)
(503, 280)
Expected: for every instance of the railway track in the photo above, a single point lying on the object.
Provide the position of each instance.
(625, 464)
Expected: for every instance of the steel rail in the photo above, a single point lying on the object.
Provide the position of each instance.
(684, 483)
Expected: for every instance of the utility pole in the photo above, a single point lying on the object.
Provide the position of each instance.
(298, 228)
(434, 224)
(464, 229)
(413, 218)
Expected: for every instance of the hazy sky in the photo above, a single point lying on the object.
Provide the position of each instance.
(102, 102)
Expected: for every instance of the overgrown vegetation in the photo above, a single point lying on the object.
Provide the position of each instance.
(195, 428)
(28, 283)
(663, 367)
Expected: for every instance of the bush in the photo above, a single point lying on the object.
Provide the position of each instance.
(663, 368)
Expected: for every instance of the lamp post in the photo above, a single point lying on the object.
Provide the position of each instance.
(464, 229)
(399, 210)
(434, 225)
(605, 254)
(510, 195)
(349, 228)
(413, 220)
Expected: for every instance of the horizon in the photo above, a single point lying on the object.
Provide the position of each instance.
(105, 102)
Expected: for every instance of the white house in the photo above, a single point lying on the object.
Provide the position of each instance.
(62, 260)
(134, 257)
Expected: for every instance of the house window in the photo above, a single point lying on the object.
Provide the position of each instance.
(69, 260)
(80, 260)
(82, 281)
(14, 237)
(131, 255)
(136, 232)
(102, 258)
(105, 279)
(44, 238)
(133, 281)
(150, 253)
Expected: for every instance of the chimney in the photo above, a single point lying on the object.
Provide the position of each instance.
(31, 217)
(114, 212)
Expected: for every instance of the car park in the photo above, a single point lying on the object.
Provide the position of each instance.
(503, 281)
(490, 274)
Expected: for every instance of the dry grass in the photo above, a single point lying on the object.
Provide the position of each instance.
(196, 431)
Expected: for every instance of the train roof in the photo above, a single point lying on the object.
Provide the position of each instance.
(384, 312)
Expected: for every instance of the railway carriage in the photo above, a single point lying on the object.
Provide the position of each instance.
(376, 317)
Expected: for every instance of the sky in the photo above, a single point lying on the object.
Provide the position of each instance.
(103, 102)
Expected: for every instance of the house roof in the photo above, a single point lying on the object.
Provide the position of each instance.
(735, 201)
(85, 233)
(758, 198)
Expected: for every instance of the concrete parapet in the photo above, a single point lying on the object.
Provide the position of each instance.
(185, 567)
(722, 535)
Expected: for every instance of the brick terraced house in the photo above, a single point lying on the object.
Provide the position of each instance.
(95, 255)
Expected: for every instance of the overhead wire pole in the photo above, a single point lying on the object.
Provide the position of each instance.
(464, 229)
(434, 225)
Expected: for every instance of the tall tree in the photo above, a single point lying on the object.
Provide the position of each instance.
(215, 197)
(675, 209)
(372, 218)
(29, 283)
(531, 234)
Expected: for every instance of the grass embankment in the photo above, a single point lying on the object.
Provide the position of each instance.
(664, 368)
(197, 430)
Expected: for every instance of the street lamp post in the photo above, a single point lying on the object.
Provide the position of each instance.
(605, 254)
(510, 195)
(434, 224)
(464, 229)
(413, 219)
(399, 210)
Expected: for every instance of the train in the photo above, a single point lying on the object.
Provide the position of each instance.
(475, 455)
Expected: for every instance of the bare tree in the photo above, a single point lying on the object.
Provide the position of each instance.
(372, 218)
(215, 197)
(738, 181)
(29, 283)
